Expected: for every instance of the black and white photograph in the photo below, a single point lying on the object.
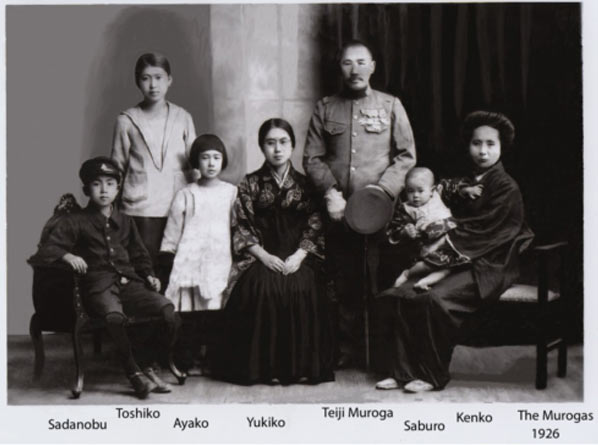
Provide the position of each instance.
(298, 222)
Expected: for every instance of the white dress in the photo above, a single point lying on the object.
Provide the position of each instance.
(198, 233)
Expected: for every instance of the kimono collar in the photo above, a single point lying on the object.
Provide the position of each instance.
(280, 179)
(288, 179)
(99, 220)
(480, 174)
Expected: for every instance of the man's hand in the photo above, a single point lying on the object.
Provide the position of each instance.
(293, 262)
(76, 262)
(410, 231)
(335, 204)
(154, 283)
(471, 191)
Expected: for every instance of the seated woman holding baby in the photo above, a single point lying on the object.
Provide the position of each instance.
(466, 259)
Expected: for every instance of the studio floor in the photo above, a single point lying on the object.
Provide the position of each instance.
(480, 375)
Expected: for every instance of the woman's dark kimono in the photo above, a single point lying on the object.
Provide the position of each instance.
(422, 327)
(277, 324)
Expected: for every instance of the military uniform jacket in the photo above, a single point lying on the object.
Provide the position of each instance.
(353, 142)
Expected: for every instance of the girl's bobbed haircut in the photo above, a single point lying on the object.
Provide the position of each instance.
(207, 142)
(275, 122)
(150, 59)
(496, 120)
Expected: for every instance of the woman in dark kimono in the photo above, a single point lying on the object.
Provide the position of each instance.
(278, 327)
(490, 234)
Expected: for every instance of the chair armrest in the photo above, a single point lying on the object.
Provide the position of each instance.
(57, 292)
(56, 266)
(550, 247)
(543, 251)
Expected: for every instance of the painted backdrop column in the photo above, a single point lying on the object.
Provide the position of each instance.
(265, 64)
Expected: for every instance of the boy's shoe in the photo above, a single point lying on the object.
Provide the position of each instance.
(195, 371)
(161, 386)
(141, 385)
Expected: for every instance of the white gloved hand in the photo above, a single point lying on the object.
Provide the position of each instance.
(293, 262)
(335, 204)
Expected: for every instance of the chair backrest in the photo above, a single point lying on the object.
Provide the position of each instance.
(53, 285)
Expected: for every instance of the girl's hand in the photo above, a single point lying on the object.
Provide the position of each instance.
(472, 191)
(293, 262)
(272, 262)
(410, 231)
(154, 283)
(76, 262)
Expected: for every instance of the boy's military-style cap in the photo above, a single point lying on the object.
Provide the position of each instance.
(96, 167)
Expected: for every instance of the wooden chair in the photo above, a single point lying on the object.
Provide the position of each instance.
(530, 314)
(59, 308)
(533, 312)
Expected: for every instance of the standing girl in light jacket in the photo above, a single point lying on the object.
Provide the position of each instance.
(151, 145)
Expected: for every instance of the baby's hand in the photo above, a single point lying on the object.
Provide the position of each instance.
(76, 262)
(410, 231)
(154, 283)
(472, 191)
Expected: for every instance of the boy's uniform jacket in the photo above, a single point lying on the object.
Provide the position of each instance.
(111, 247)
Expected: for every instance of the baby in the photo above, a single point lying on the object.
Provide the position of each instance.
(425, 218)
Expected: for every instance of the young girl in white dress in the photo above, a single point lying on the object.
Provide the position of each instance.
(198, 234)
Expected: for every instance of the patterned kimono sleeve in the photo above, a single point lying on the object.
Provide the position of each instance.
(396, 225)
(312, 239)
(244, 231)
(436, 229)
(449, 189)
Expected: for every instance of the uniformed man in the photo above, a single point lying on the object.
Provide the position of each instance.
(357, 138)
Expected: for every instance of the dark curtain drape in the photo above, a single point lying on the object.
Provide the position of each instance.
(445, 60)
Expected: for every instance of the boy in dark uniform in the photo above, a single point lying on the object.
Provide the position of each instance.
(103, 245)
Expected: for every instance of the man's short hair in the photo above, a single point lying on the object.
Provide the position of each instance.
(350, 44)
